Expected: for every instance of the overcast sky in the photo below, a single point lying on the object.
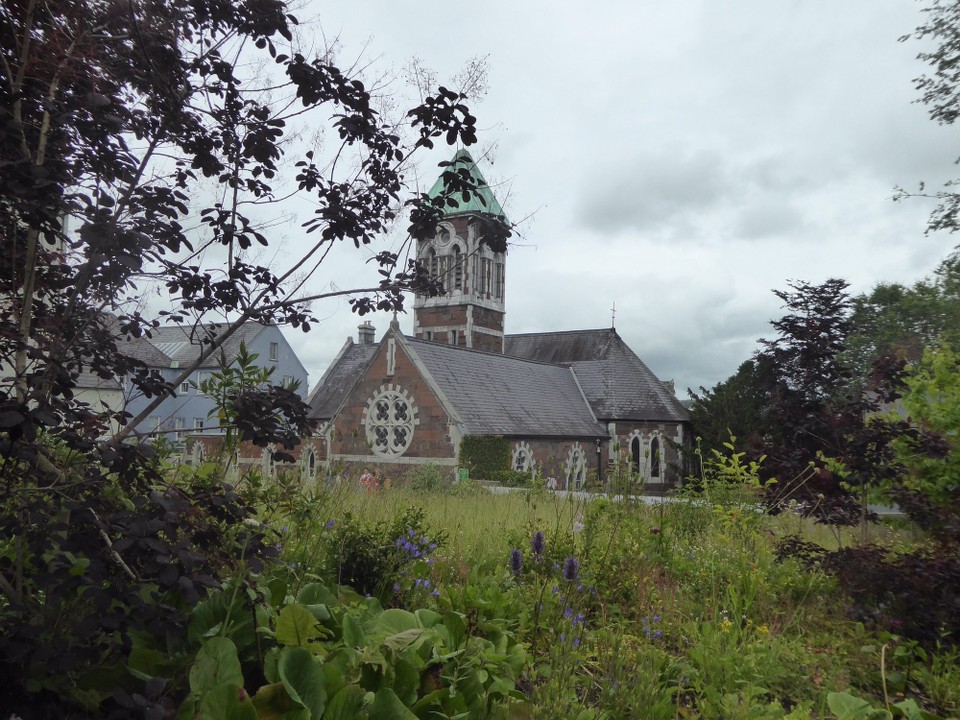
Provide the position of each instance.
(678, 159)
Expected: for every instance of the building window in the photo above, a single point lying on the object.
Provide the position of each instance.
(487, 268)
(457, 260)
(185, 386)
(310, 463)
(522, 458)
(576, 468)
(655, 457)
(389, 420)
(636, 453)
(178, 424)
(452, 338)
(392, 354)
(155, 422)
(198, 423)
(498, 285)
(274, 351)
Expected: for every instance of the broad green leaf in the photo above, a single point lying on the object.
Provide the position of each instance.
(274, 703)
(353, 635)
(387, 706)
(303, 680)
(296, 626)
(454, 622)
(406, 680)
(346, 704)
(395, 621)
(317, 594)
(216, 664)
(428, 618)
(408, 639)
(849, 707)
(227, 702)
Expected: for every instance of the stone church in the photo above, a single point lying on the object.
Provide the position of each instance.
(570, 403)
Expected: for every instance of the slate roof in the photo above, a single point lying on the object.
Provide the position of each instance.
(339, 379)
(617, 383)
(489, 205)
(498, 395)
(182, 343)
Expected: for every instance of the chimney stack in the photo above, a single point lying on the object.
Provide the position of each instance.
(367, 334)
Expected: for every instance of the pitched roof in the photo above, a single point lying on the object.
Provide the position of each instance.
(183, 343)
(616, 382)
(481, 201)
(498, 395)
(329, 392)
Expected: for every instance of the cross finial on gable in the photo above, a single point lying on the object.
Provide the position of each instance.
(613, 315)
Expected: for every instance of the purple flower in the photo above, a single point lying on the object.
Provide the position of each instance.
(436, 592)
(516, 561)
(576, 642)
(571, 569)
(537, 544)
(329, 524)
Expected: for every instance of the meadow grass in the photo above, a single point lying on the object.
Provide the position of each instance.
(678, 609)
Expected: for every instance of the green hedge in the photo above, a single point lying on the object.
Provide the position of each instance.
(510, 478)
(484, 455)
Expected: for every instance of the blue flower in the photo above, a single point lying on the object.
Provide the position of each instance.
(329, 524)
(516, 561)
(571, 569)
(537, 544)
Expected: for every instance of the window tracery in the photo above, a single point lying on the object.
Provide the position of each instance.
(523, 460)
(389, 421)
(576, 468)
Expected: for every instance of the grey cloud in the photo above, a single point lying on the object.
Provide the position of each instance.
(649, 190)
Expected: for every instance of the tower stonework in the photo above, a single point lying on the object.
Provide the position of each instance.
(470, 312)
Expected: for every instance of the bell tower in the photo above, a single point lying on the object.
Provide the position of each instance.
(470, 312)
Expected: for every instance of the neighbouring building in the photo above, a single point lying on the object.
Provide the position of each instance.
(571, 404)
(174, 347)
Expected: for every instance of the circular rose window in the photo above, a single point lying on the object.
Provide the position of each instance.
(389, 421)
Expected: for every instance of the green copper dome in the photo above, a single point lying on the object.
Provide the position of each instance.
(482, 200)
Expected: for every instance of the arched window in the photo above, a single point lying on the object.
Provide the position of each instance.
(457, 260)
(433, 264)
(636, 453)
(576, 468)
(655, 457)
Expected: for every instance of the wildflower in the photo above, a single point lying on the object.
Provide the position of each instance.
(396, 587)
(329, 524)
(516, 561)
(654, 531)
(725, 626)
(571, 569)
(568, 613)
(578, 523)
(763, 629)
(537, 544)
(576, 642)
(436, 592)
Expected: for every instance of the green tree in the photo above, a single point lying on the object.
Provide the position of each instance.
(902, 321)
(932, 403)
(737, 406)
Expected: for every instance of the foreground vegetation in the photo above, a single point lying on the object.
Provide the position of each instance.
(355, 600)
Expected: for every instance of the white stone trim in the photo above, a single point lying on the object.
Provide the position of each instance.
(384, 444)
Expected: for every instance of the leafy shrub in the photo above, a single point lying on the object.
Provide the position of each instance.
(429, 478)
(334, 654)
(372, 558)
(484, 454)
(101, 568)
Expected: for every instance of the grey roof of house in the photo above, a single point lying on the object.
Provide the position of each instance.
(339, 379)
(617, 383)
(88, 380)
(183, 343)
(499, 395)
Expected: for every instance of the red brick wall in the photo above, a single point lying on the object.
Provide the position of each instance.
(431, 436)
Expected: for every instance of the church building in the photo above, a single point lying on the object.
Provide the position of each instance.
(571, 403)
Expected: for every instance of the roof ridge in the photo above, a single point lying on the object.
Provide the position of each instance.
(461, 348)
